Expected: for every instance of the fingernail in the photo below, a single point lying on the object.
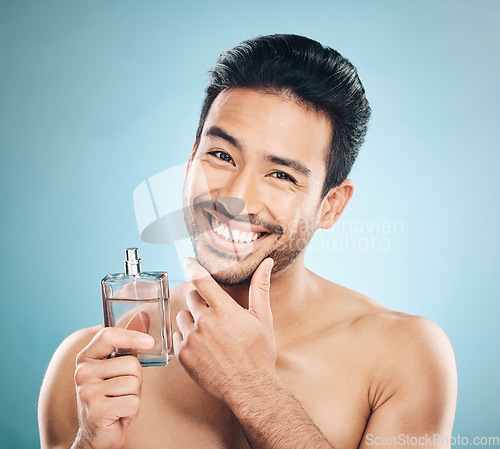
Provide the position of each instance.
(268, 268)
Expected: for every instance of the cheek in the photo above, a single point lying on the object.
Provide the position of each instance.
(196, 182)
(203, 179)
(294, 220)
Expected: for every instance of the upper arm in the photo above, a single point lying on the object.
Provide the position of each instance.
(417, 398)
(57, 406)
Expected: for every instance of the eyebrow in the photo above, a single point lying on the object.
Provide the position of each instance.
(297, 166)
(215, 131)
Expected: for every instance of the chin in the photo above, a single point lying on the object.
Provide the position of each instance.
(231, 280)
(227, 272)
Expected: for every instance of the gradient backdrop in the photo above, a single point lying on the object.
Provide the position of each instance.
(96, 96)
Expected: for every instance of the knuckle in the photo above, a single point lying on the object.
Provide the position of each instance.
(197, 282)
(139, 376)
(133, 383)
(135, 402)
(203, 322)
(182, 314)
(80, 392)
(80, 374)
(135, 406)
(84, 393)
(77, 375)
(80, 357)
(264, 287)
(137, 384)
(104, 334)
(133, 366)
(190, 338)
(132, 405)
(196, 338)
(185, 355)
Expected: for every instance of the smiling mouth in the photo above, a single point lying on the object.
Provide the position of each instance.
(232, 235)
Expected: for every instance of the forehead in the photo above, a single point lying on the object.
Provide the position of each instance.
(270, 123)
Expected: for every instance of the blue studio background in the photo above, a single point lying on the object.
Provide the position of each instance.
(98, 96)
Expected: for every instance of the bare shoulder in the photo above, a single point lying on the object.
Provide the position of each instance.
(400, 335)
(57, 412)
(410, 358)
(407, 362)
(404, 339)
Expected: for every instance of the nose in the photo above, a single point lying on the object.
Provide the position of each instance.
(241, 194)
(234, 206)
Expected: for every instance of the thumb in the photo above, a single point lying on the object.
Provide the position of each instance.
(258, 294)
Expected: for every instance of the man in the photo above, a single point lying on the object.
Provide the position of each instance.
(268, 354)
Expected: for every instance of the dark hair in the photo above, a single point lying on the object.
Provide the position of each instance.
(311, 74)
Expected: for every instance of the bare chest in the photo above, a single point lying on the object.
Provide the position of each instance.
(176, 413)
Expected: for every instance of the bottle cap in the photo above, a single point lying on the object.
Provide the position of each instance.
(133, 264)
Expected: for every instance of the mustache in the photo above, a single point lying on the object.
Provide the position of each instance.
(252, 219)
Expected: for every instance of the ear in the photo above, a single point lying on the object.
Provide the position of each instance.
(191, 158)
(334, 203)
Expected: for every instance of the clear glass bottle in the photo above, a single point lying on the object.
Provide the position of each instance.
(139, 301)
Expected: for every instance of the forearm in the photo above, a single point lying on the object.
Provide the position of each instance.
(272, 418)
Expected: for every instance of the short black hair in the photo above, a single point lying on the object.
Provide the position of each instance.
(310, 73)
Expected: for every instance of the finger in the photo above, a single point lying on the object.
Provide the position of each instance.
(139, 322)
(111, 338)
(177, 339)
(185, 322)
(196, 304)
(121, 386)
(117, 386)
(120, 406)
(206, 285)
(94, 370)
(259, 292)
(119, 366)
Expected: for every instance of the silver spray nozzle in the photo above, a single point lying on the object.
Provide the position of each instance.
(133, 263)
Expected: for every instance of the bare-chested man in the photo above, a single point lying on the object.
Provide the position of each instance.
(268, 354)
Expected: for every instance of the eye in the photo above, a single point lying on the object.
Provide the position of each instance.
(222, 155)
(284, 176)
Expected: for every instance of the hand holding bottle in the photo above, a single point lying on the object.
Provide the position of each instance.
(109, 389)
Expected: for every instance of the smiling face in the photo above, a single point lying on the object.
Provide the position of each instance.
(254, 181)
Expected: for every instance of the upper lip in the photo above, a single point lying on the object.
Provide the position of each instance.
(235, 223)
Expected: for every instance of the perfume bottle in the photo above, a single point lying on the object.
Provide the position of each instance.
(139, 301)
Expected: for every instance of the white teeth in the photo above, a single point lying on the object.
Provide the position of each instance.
(237, 235)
